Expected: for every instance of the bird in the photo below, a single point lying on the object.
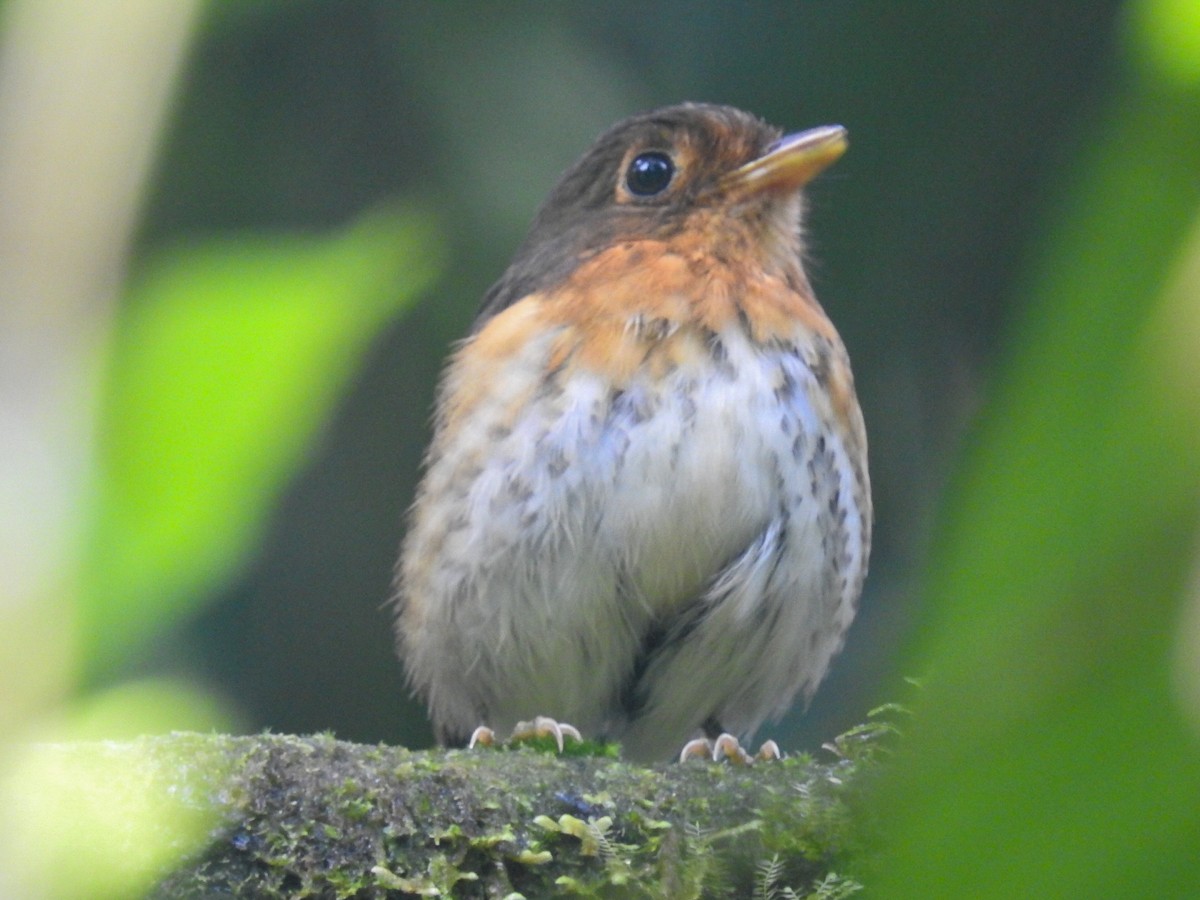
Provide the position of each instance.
(645, 509)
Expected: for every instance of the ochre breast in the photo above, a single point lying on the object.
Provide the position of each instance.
(645, 306)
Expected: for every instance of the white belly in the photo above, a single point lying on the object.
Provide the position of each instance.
(702, 505)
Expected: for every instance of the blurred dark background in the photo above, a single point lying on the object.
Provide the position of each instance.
(301, 116)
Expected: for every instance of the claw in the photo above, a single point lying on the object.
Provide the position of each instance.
(544, 726)
(768, 752)
(482, 737)
(728, 747)
(696, 748)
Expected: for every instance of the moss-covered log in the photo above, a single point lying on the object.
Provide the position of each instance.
(317, 817)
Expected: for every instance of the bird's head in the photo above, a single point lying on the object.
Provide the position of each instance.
(723, 177)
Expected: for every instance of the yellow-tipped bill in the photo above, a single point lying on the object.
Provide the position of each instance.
(791, 162)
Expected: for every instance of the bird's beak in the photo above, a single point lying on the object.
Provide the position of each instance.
(789, 164)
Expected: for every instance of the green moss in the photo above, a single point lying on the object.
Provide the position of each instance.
(316, 817)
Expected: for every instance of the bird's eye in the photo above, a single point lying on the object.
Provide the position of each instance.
(649, 173)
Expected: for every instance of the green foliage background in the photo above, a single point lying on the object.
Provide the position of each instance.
(1011, 250)
(1056, 752)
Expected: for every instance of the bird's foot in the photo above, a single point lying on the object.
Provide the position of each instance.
(525, 732)
(726, 746)
(544, 726)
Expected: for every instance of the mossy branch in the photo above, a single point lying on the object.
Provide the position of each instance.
(318, 817)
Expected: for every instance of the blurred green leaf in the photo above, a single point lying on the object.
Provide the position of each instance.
(1168, 37)
(102, 819)
(229, 357)
(1052, 757)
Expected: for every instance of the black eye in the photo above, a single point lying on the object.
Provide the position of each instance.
(649, 173)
